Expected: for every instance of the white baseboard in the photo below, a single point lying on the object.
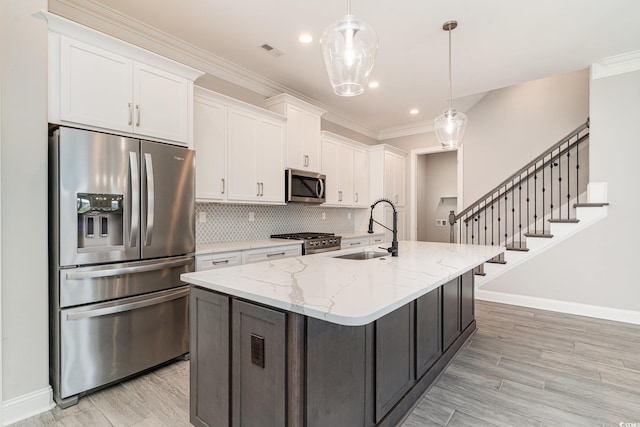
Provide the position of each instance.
(27, 405)
(608, 313)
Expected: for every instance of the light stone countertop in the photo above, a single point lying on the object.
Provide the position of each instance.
(343, 291)
(213, 248)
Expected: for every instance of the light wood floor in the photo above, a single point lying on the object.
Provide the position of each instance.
(523, 367)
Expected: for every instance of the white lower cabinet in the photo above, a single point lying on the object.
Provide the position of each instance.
(354, 242)
(269, 254)
(246, 256)
(219, 260)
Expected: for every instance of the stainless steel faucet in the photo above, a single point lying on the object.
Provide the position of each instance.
(393, 250)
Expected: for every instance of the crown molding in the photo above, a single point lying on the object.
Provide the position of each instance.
(116, 24)
(407, 130)
(614, 65)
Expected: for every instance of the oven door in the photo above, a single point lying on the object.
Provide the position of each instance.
(103, 343)
(304, 187)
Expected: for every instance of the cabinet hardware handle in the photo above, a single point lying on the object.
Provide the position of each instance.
(276, 254)
(224, 261)
(356, 197)
(130, 114)
(306, 161)
(396, 199)
(258, 189)
(262, 189)
(339, 196)
(355, 243)
(222, 190)
(138, 112)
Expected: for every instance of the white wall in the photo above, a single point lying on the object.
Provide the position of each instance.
(25, 346)
(511, 126)
(597, 266)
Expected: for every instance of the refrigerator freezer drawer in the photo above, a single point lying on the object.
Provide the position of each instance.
(87, 285)
(103, 343)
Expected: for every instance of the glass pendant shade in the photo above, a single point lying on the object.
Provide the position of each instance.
(450, 125)
(449, 128)
(349, 49)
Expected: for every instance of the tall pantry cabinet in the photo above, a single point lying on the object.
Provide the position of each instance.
(388, 180)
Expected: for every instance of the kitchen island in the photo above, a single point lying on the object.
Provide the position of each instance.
(321, 340)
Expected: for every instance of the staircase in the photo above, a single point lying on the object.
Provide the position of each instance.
(535, 208)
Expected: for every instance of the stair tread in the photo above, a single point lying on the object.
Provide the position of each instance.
(544, 235)
(590, 205)
(517, 248)
(500, 261)
(564, 221)
(479, 274)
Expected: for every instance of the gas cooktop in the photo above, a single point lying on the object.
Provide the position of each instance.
(314, 242)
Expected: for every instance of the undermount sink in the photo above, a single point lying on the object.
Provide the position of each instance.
(362, 255)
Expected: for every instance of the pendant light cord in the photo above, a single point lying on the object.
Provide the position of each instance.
(449, 31)
(348, 7)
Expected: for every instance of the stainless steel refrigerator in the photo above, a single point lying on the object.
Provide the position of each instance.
(122, 230)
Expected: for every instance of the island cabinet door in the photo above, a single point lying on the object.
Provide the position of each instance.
(258, 366)
(451, 327)
(466, 299)
(209, 366)
(394, 358)
(336, 369)
(428, 341)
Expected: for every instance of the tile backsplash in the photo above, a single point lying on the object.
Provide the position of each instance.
(228, 223)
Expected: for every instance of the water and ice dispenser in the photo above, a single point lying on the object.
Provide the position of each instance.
(100, 221)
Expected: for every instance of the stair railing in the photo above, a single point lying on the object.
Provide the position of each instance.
(541, 191)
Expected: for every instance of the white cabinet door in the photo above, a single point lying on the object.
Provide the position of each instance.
(330, 169)
(394, 178)
(95, 86)
(345, 175)
(210, 138)
(160, 100)
(270, 152)
(242, 174)
(295, 131)
(388, 221)
(311, 139)
(360, 178)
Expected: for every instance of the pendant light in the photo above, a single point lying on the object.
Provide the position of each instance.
(450, 125)
(349, 49)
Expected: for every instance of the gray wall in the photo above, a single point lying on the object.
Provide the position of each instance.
(597, 266)
(435, 179)
(25, 346)
(511, 126)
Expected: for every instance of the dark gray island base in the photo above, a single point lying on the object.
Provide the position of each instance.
(253, 365)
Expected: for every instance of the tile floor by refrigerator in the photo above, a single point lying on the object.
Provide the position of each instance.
(523, 367)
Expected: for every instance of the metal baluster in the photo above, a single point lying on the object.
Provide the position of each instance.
(528, 204)
(551, 182)
(568, 181)
(485, 222)
(506, 216)
(520, 210)
(535, 198)
(466, 224)
(578, 171)
(499, 216)
(544, 190)
(473, 217)
(560, 182)
(513, 216)
(492, 222)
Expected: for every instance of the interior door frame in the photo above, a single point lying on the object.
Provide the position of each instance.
(413, 184)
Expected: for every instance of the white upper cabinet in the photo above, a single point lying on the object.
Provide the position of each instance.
(387, 174)
(346, 165)
(210, 143)
(303, 131)
(239, 150)
(98, 82)
(361, 177)
(255, 147)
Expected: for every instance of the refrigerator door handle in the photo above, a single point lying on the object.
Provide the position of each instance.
(148, 161)
(121, 271)
(109, 308)
(135, 199)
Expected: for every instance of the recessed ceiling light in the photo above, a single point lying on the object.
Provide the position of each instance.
(374, 85)
(414, 111)
(305, 38)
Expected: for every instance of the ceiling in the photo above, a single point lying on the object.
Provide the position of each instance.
(498, 43)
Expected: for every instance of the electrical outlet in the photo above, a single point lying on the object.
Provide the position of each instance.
(202, 216)
(324, 216)
(252, 216)
(441, 222)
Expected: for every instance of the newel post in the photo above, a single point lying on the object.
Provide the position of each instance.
(452, 222)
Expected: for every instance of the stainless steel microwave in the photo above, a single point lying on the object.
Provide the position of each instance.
(304, 187)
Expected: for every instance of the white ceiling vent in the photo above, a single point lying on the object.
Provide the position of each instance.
(273, 51)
